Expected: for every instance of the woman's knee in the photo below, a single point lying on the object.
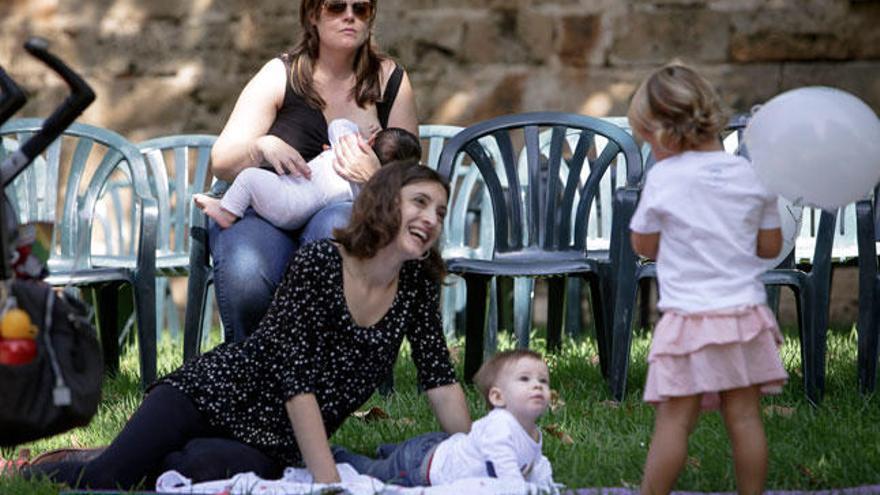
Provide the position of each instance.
(249, 260)
(322, 224)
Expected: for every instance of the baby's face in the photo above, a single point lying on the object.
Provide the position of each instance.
(523, 388)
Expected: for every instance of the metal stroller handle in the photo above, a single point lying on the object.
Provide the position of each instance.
(81, 96)
(13, 97)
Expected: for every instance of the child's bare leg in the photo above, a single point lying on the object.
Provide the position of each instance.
(741, 409)
(211, 207)
(675, 419)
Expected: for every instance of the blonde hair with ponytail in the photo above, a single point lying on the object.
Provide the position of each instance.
(677, 108)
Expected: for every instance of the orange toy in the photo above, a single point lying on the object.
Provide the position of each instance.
(16, 324)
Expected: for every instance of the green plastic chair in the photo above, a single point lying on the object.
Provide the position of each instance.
(869, 293)
(178, 167)
(540, 225)
(66, 186)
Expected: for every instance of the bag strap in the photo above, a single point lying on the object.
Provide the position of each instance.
(61, 393)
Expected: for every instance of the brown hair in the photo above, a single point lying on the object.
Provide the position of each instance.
(487, 376)
(395, 144)
(367, 60)
(678, 108)
(375, 216)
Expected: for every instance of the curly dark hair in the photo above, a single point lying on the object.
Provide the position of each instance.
(375, 217)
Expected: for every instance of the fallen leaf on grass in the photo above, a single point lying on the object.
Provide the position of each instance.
(374, 413)
(693, 463)
(610, 403)
(774, 410)
(405, 422)
(556, 401)
(555, 430)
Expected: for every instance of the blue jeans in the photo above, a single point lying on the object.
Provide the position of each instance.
(250, 258)
(403, 464)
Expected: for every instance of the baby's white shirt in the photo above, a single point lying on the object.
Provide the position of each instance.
(496, 438)
(708, 208)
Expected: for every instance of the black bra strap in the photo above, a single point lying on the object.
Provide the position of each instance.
(383, 108)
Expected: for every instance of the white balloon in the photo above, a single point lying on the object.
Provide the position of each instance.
(816, 145)
(790, 215)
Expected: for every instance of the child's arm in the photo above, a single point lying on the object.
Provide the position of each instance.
(542, 472)
(646, 245)
(311, 437)
(450, 408)
(769, 243)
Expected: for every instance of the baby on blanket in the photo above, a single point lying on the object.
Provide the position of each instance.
(506, 443)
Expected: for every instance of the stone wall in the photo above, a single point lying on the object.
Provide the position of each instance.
(169, 66)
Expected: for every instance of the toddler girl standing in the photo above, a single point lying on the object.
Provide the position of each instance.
(707, 220)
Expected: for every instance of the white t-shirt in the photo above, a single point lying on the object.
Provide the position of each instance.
(707, 207)
(497, 439)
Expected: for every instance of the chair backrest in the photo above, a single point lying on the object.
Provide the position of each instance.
(543, 209)
(76, 172)
(599, 224)
(179, 166)
(467, 228)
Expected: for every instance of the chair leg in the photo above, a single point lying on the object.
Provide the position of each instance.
(555, 308)
(447, 308)
(504, 302)
(573, 313)
(477, 292)
(194, 319)
(645, 303)
(624, 301)
(145, 304)
(106, 301)
(522, 310)
(601, 319)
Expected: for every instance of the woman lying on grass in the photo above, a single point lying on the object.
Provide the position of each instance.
(330, 337)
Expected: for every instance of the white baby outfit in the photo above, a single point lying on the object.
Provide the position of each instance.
(288, 202)
(496, 440)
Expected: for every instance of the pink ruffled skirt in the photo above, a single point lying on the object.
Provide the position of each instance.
(707, 353)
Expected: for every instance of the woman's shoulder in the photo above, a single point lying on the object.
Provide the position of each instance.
(317, 254)
(386, 70)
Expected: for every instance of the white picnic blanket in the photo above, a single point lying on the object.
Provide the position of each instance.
(297, 481)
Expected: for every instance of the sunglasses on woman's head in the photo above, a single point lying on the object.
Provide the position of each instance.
(361, 10)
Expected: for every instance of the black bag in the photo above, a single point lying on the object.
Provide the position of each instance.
(60, 389)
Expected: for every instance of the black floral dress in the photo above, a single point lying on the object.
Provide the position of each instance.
(309, 343)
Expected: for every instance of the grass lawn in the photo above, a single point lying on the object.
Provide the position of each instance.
(590, 440)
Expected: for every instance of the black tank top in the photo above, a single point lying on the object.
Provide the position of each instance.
(304, 127)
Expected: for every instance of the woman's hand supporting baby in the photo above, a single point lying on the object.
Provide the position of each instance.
(355, 160)
(283, 157)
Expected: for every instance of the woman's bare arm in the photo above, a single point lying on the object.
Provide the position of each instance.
(450, 408)
(243, 142)
(311, 437)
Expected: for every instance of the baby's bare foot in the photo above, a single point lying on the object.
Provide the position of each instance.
(211, 207)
